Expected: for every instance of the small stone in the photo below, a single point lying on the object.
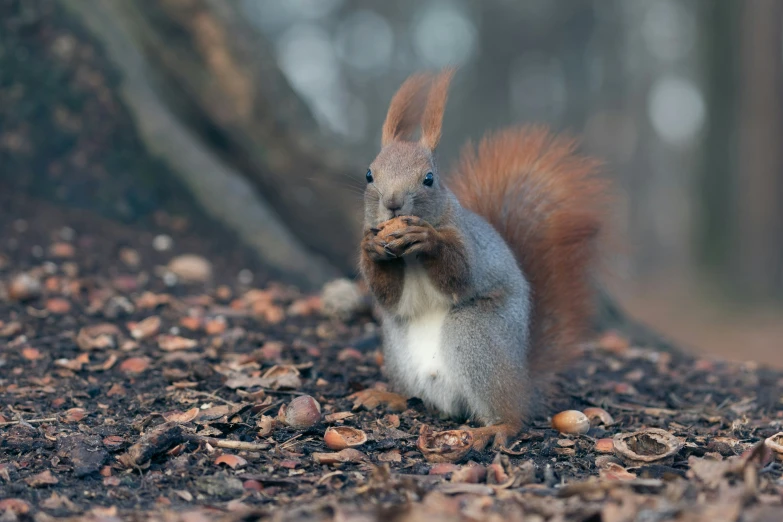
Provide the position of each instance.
(162, 243)
(245, 277)
(342, 299)
(24, 287)
(191, 268)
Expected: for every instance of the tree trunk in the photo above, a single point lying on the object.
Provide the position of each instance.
(758, 261)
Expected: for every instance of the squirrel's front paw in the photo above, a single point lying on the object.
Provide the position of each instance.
(418, 237)
(375, 248)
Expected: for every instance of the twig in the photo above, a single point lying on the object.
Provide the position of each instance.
(213, 396)
(328, 476)
(229, 444)
(287, 442)
(31, 421)
(590, 486)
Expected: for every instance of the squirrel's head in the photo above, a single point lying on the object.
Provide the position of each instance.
(403, 180)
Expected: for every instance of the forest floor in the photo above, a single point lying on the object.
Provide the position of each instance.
(137, 388)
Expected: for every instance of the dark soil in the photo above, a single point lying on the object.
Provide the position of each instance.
(99, 424)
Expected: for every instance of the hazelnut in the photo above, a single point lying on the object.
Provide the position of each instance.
(571, 422)
(646, 445)
(599, 416)
(191, 268)
(341, 437)
(444, 446)
(391, 226)
(301, 413)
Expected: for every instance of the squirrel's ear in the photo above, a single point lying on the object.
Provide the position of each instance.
(432, 120)
(405, 109)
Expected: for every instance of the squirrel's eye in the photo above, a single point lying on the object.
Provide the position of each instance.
(369, 176)
(429, 179)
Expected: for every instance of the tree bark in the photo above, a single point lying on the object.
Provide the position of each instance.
(220, 77)
(759, 258)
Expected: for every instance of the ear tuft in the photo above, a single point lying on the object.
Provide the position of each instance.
(432, 120)
(406, 108)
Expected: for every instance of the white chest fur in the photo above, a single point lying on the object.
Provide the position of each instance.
(421, 361)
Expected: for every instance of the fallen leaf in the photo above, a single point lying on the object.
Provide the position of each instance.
(74, 364)
(31, 354)
(113, 442)
(11, 329)
(182, 417)
(173, 343)
(14, 505)
(74, 415)
(116, 390)
(39, 480)
(614, 471)
(62, 250)
(711, 472)
(191, 322)
(135, 365)
(338, 416)
(58, 305)
(471, 473)
(97, 337)
(443, 468)
(304, 307)
(56, 501)
(215, 326)
(283, 377)
(146, 329)
(392, 455)
(350, 354)
(184, 495)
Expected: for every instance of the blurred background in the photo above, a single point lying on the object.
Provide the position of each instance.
(118, 105)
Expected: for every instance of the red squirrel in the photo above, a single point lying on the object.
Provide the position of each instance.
(482, 278)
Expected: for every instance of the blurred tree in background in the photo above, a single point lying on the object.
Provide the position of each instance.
(269, 110)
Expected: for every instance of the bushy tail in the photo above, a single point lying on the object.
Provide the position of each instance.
(546, 202)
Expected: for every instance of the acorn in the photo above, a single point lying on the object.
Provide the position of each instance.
(341, 437)
(301, 413)
(571, 422)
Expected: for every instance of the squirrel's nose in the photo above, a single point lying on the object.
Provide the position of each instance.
(393, 205)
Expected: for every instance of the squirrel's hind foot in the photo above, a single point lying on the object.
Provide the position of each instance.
(370, 399)
(498, 434)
